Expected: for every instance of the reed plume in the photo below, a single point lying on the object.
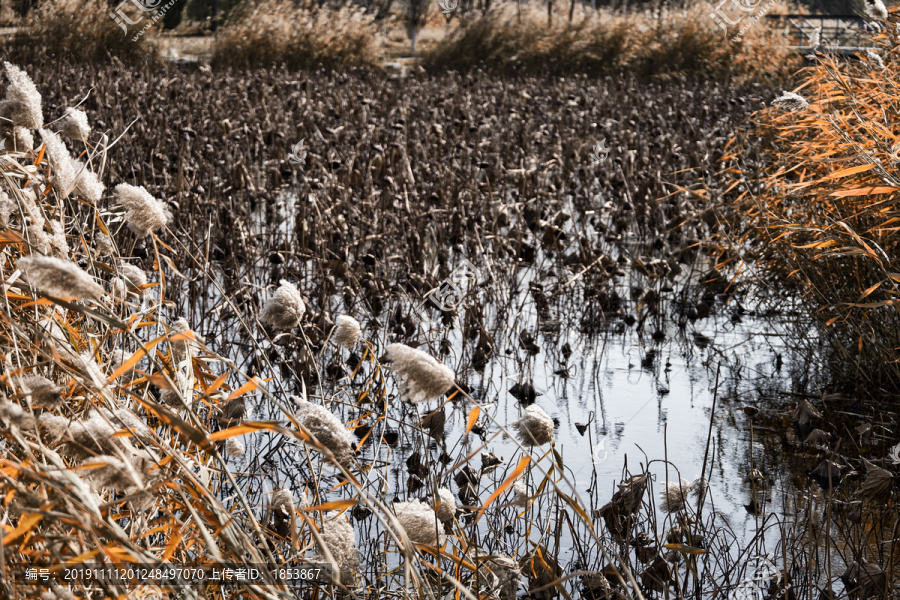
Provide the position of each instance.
(144, 214)
(420, 522)
(22, 103)
(327, 429)
(346, 331)
(285, 308)
(535, 428)
(60, 278)
(421, 377)
(74, 125)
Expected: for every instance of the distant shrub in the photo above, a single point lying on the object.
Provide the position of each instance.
(297, 35)
(645, 43)
(82, 30)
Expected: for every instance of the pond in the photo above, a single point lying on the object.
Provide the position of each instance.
(635, 384)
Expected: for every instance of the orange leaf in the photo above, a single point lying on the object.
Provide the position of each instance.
(871, 289)
(233, 431)
(172, 546)
(520, 468)
(160, 380)
(864, 191)
(135, 359)
(26, 523)
(473, 418)
(216, 384)
(849, 171)
(825, 244)
(11, 237)
(40, 155)
(245, 389)
(333, 505)
(184, 336)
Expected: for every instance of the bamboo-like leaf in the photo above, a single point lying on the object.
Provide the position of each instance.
(134, 359)
(864, 191)
(871, 289)
(520, 468)
(236, 431)
(849, 171)
(333, 505)
(248, 387)
(473, 418)
(26, 524)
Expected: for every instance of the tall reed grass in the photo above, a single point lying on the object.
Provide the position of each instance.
(514, 38)
(818, 208)
(298, 35)
(81, 30)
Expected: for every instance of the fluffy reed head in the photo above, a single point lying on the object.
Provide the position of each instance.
(60, 278)
(421, 377)
(535, 428)
(74, 125)
(22, 103)
(13, 414)
(58, 593)
(87, 184)
(699, 487)
(234, 447)
(64, 168)
(445, 506)
(173, 398)
(114, 473)
(790, 101)
(285, 308)
(104, 244)
(521, 495)
(134, 277)
(83, 439)
(337, 533)
(876, 60)
(57, 239)
(420, 522)
(327, 429)
(7, 208)
(181, 349)
(144, 214)
(674, 496)
(15, 138)
(346, 331)
(876, 9)
(42, 391)
(283, 499)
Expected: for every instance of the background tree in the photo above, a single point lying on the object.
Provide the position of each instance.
(214, 11)
(173, 16)
(416, 11)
